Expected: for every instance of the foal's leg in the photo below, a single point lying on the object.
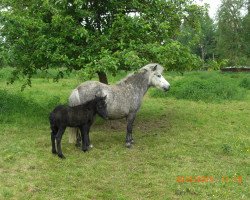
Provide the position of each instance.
(78, 138)
(58, 141)
(88, 140)
(84, 135)
(53, 138)
(130, 121)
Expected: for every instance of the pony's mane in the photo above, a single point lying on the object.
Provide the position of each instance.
(89, 103)
(133, 77)
(125, 78)
(149, 67)
(141, 71)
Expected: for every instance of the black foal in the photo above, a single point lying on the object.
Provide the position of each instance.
(81, 116)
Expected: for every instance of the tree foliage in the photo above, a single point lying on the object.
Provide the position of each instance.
(98, 36)
(230, 31)
(222, 41)
(246, 32)
(200, 39)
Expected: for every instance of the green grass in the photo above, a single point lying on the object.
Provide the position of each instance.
(174, 137)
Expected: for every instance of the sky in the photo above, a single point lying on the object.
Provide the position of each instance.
(213, 4)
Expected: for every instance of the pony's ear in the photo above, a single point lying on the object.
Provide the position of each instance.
(155, 67)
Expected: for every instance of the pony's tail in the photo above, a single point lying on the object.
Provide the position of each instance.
(74, 100)
(72, 135)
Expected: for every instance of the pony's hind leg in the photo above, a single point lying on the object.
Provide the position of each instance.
(58, 141)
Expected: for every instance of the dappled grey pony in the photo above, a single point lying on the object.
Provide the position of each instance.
(124, 98)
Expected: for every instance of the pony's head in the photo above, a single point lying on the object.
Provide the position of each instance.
(155, 76)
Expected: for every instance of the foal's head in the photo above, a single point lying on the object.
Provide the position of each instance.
(101, 107)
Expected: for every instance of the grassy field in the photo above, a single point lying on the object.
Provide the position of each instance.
(189, 144)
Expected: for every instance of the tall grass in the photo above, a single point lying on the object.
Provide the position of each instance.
(207, 87)
(245, 83)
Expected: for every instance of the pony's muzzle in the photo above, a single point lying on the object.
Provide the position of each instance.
(166, 88)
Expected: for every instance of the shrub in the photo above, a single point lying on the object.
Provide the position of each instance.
(215, 65)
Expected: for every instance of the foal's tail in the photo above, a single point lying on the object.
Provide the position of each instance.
(74, 100)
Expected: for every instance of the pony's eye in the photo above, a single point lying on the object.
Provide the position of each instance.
(159, 76)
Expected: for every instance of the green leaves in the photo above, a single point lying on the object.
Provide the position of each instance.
(95, 36)
(173, 54)
(105, 62)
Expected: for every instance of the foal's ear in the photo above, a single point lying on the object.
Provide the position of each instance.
(96, 96)
(155, 67)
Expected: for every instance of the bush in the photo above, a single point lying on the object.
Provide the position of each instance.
(215, 65)
(207, 87)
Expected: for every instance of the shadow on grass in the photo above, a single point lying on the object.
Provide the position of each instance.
(144, 121)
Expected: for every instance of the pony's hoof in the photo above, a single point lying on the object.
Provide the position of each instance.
(61, 156)
(128, 144)
(84, 150)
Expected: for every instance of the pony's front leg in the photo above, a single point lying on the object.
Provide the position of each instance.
(130, 121)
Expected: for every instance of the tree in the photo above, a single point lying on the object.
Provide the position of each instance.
(2, 54)
(207, 42)
(201, 39)
(246, 33)
(230, 40)
(99, 36)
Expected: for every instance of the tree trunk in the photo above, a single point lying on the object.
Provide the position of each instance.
(202, 52)
(102, 77)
